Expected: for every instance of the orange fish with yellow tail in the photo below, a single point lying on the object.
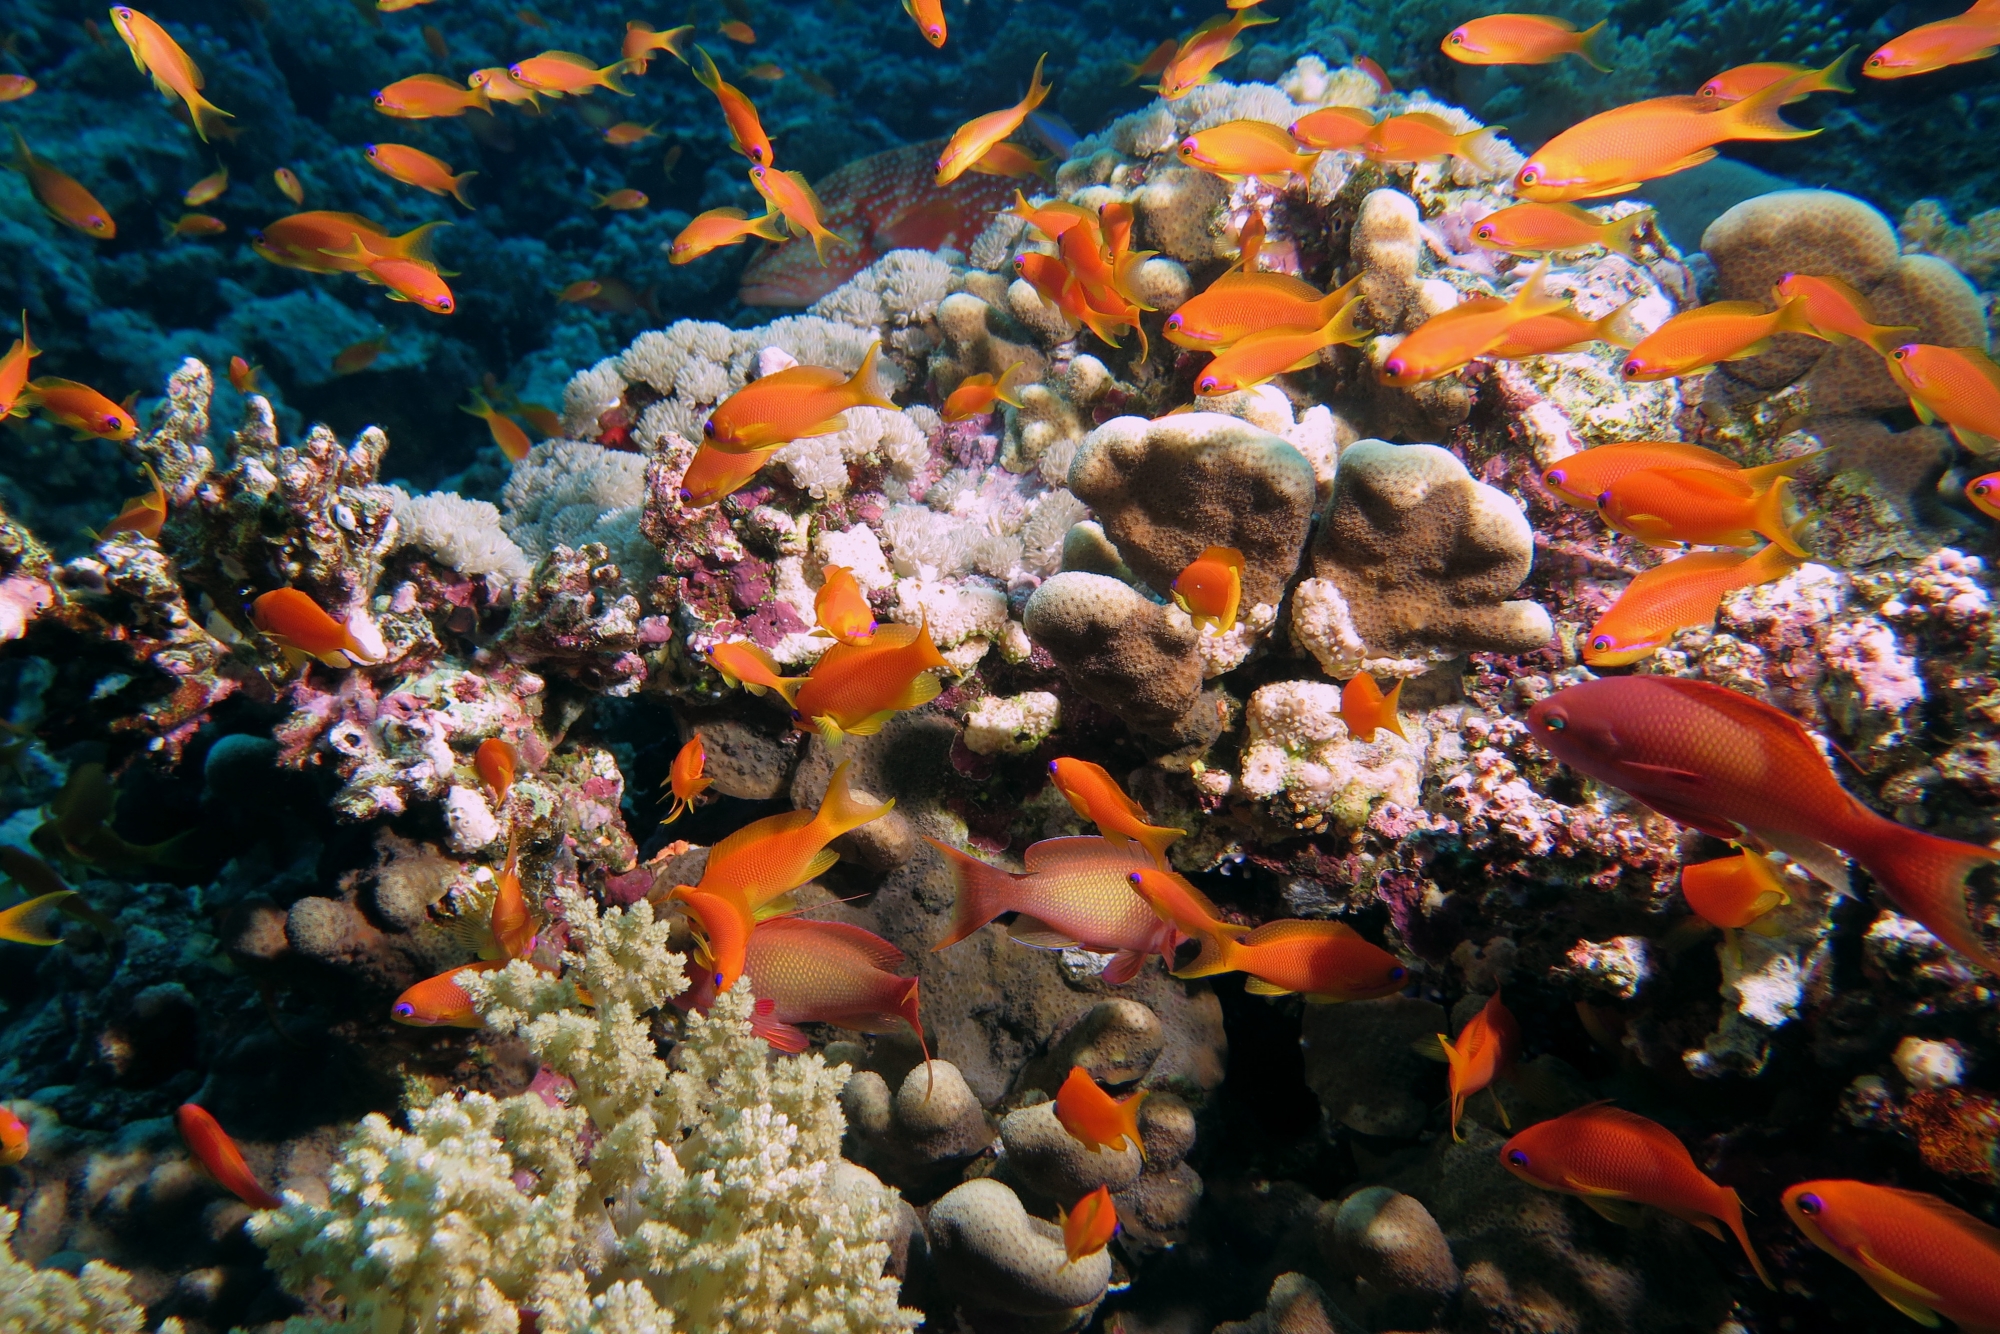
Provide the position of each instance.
(1366, 710)
(427, 96)
(1735, 893)
(1215, 41)
(1959, 386)
(506, 432)
(439, 1002)
(1089, 1225)
(14, 87)
(1682, 594)
(1525, 39)
(1837, 312)
(173, 73)
(145, 515)
(807, 972)
(1958, 40)
(13, 1138)
(1342, 128)
(1733, 85)
(746, 131)
(786, 193)
(725, 923)
(1582, 477)
(1563, 330)
(1695, 340)
(1617, 150)
(413, 166)
(1075, 892)
(29, 922)
(775, 855)
(641, 41)
(1323, 961)
(1485, 1050)
(80, 408)
(1612, 1160)
(854, 689)
(314, 241)
(717, 473)
(14, 371)
(1450, 340)
(1248, 150)
(742, 663)
(1923, 1256)
(1012, 161)
(567, 74)
(300, 626)
(1210, 589)
(793, 404)
(61, 195)
(1540, 229)
(207, 188)
(215, 1151)
(1096, 1119)
(1422, 136)
(416, 281)
(976, 394)
(1699, 507)
(500, 86)
(495, 761)
(842, 609)
(1731, 766)
(1096, 796)
(1237, 305)
(512, 923)
(686, 779)
(970, 141)
(1274, 352)
(719, 227)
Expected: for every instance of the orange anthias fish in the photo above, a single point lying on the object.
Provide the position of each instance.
(971, 140)
(297, 624)
(1734, 892)
(13, 1138)
(144, 515)
(567, 74)
(626, 133)
(1695, 340)
(289, 185)
(1095, 795)
(173, 73)
(434, 40)
(1089, 1225)
(214, 1150)
(1323, 961)
(243, 376)
(1210, 589)
(1420, 136)
(61, 195)
(775, 855)
(1733, 85)
(1343, 128)
(793, 404)
(1984, 493)
(1076, 891)
(1563, 331)
(30, 921)
(1699, 507)
(1446, 342)
(315, 241)
(1524, 39)
(413, 166)
(686, 779)
(1973, 35)
(1682, 594)
(746, 131)
(1366, 710)
(207, 188)
(424, 96)
(80, 408)
(197, 224)
(512, 924)
(416, 281)
(1539, 229)
(581, 290)
(719, 227)
(1155, 61)
(439, 1002)
(842, 609)
(1010, 159)
(929, 16)
(14, 371)
(738, 31)
(506, 432)
(1837, 312)
(976, 394)
(1096, 1119)
(786, 192)
(500, 86)
(1582, 477)
(1485, 1049)
(716, 473)
(1732, 766)
(641, 41)
(854, 689)
(1611, 1158)
(358, 357)
(1923, 1256)
(725, 923)
(1240, 149)
(1958, 385)
(1215, 41)
(14, 87)
(622, 201)
(1273, 352)
(495, 761)
(806, 972)
(1614, 151)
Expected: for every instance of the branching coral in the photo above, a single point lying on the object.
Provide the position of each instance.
(49, 1301)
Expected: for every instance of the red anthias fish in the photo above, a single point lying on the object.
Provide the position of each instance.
(807, 972)
(1923, 1256)
(211, 1145)
(1731, 766)
(884, 202)
(1485, 1050)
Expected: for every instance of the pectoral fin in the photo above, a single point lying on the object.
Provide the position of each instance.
(1878, 1274)
(1257, 986)
(1659, 770)
(1622, 1212)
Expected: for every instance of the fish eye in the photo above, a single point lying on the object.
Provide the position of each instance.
(1394, 366)
(403, 1010)
(1485, 233)
(1602, 643)
(1209, 384)
(1556, 720)
(1634, 366)
(1173, 322)
(708, 427)
(1134, 878)
(1811, 1205)
(1981, 487)
(1901, 353)
(1603, 499)
(718, 979)
(1456, 40)
(686, 495)
(1555, 477)
(1396, 974)
(1529, 176)
(1874, 62)
(1517, 1158)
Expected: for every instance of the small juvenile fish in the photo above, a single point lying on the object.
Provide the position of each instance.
(215, 1151)
(1485, 1050)
(807, 972)
(1210, 589)
(1155, 61)
(61, 195)
(1093, 794)
(670, 161)
(29, 922)
(207, 188)
(1375, 72)
(793, 404)
(1366, 710)
(1837, 312)
(173, 73)
(1094, 1118)
(1608, 1157)
(1539, 229)
(626, 133)
(1207, 46)
(725, 925)
(1249, 244)
(1733, 892)
(358, 357)
(439, 1002)
(297, 624)
(1958, 40)
(507, 434)
(853, 690)
(1524, 39)
(80, 408)
(786, 193)
(1682, 594)
(1958, 385)
(766, 71)
(528, 18)
(1923, 1256)
(289, 185)
(1089, 1225)
(746, 131)
(1584, 476)
(719, 227)
(929, 17)
(777, 854)
(398, 6)
(1010, 159)
(434, 41)
(1698, 339)
(546, 421)
(622, 201)
(842, 609)
(424, 96)
(1448, 341)
(1342, 128)
(13, 1138)
(1248, 149)
(413, 166)
(737, 31)
(1272, 352)
(14, 87)
(567, 74)
(686, 779)
(971, 141)
(641, 41)
(1420, 136)
(1699, 507)
(243, 376)
(1984, 493)
(14, 369)
(976, 394)
(1733, 85)
(144, 515)
(197, 224)
(512, 924)
(716, 473)
(495, 761)
(500, 86)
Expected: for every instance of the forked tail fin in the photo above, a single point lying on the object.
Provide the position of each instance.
(1924, 876)
(983, 893)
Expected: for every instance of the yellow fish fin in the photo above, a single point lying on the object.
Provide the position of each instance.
(1878, 1273)
(923, 688)
(822, 862)
(1257, 986)
(829, 730)
(1434, 1048)
(1622, 1212)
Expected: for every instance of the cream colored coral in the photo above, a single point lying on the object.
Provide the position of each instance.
(465, 534)
(588, 394)
(566, 493)
(97, 1300)
(858, 549)
(818, 464)
(1300, 757)
(902, 288)
(1010, 724)
(965, 617)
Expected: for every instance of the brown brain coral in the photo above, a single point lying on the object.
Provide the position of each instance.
(1119, 649)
